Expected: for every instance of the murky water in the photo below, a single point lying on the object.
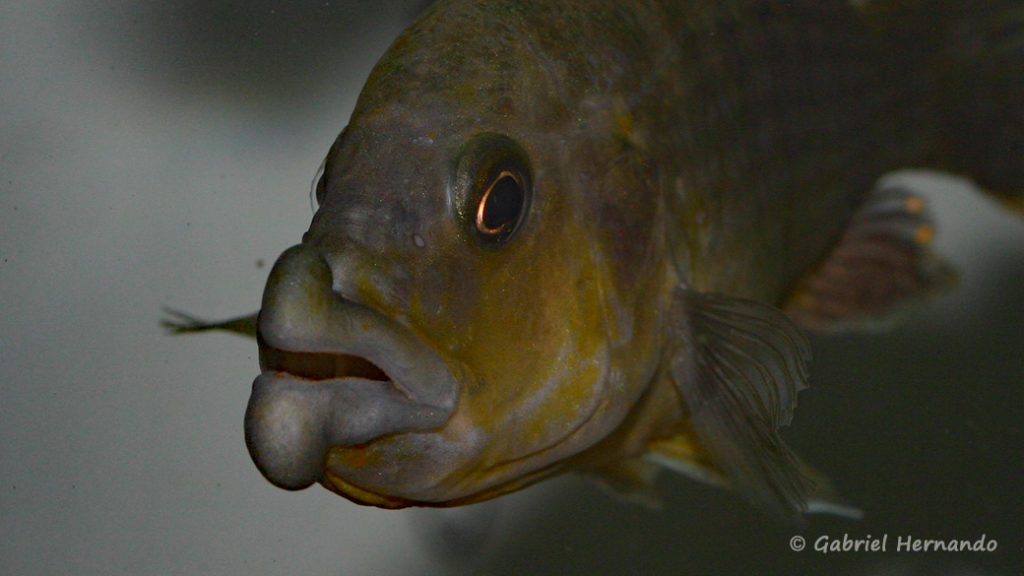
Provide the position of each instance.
(160, 154)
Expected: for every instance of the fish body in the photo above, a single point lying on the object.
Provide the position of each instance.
(560, 236)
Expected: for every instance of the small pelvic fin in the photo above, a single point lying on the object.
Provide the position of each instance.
(823, 497)
(181, 323)
(882, 264)
(680, 455)
(631, 480)
(738, 367)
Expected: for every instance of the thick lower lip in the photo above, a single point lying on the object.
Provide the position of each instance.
(335, 373)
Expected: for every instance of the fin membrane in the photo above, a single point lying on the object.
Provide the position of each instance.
(738, 367)
(631, 479)
(882, 264)
(680, 455)
(181, 323)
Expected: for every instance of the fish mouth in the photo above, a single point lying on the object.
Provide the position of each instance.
(315, 366)
(335, 373)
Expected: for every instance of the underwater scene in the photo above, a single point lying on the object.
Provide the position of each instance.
(158, 158)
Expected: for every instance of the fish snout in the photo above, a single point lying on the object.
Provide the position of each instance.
(335, 373)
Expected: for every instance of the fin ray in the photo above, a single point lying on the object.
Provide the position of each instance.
(739, 368)
(181, 323)
(882, 265)
(632, 480)
(680, 455)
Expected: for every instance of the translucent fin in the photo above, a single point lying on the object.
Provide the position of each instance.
(881, 266)
(738, 366)
(631, 480)
(680, 455)
(824, 499)
(181, 323)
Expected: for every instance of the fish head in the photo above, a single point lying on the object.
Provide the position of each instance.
(469, 308)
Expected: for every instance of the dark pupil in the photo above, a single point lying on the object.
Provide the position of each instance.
(501, 204)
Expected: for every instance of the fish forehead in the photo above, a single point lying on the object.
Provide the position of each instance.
(392, 167)
(466, 69)
(468, 65)
(466, 51)
(385, 187)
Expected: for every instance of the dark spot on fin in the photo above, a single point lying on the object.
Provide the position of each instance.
(738, 367)
(882, 265)
(181, 323)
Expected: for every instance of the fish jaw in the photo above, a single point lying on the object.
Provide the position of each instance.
(335, 374)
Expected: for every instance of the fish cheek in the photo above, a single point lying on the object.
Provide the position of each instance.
(535, 345)
(406, 469)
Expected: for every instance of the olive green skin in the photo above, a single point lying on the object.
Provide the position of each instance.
(717, 146)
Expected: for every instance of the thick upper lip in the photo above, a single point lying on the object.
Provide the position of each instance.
(335, 373)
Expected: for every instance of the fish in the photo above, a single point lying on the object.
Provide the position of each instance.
(592, 236)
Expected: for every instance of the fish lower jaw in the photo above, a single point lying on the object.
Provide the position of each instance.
(292, 422)
(342, 487)
(436, 497)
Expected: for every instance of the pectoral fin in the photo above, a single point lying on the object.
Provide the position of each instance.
(881, 266)
(181, 323)
(738, 366)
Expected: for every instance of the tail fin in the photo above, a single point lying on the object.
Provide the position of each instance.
(965, 62)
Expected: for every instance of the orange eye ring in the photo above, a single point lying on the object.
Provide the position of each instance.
(501, 205)
(491, 189)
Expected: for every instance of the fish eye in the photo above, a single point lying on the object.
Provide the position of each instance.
(491, 188)
(500, 205)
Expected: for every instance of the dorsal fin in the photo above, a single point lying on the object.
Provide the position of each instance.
(738, 366)
(882, 264)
